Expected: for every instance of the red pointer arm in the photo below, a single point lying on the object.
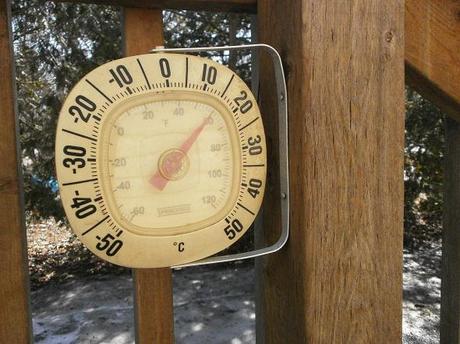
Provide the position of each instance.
(185, 147)
(157, 179)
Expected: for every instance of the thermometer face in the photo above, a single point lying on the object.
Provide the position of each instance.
(161, 159)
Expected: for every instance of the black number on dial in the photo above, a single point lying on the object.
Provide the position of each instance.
(254, 186)
(234, 227)
(109, 245)
(84, 207)
(83, 103)
(121, 76)
(76, 152)
(209, 74)
(164, 68)
(255, 148)
(242, 102)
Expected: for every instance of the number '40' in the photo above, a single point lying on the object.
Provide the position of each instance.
(254, 186)
(84, 207)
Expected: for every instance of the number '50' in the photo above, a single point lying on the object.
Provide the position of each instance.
(109, 245)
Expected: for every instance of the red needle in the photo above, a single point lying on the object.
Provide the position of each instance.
(194, 135)
(157, 179)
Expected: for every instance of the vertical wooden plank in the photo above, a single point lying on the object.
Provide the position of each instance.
(143, 30)
(450, 288)
(339, 280)
(14, 282)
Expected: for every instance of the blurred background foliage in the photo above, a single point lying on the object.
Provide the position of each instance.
(55, 44)
(423, 171)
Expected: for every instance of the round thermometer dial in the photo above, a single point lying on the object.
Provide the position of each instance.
(161, 159)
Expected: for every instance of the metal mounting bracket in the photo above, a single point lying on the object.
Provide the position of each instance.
(283, 152)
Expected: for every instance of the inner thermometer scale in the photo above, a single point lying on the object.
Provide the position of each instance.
(161, 159)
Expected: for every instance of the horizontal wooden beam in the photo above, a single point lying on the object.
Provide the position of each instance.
(432, 51)
(248, 6)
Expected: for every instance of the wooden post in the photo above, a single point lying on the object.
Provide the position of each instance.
(15, 326)
(143, 30)
(450, 291)
(339, 280)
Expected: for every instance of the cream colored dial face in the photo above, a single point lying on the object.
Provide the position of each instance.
(170, 165)
(161, 159)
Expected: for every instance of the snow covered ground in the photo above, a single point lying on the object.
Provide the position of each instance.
(212, 305)
(422, 296)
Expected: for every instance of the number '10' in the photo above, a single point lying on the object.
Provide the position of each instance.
(209, 74)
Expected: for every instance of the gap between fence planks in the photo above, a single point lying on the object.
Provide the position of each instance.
(15, 323)
(143, 30)
(339, 279)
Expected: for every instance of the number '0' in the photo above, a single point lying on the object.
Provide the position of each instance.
(164, 68)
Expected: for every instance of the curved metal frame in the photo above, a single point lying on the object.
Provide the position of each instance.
(283, 152)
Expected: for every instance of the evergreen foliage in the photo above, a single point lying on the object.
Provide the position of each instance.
(423, 171)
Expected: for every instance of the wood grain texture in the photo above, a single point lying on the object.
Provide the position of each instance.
(241, 6)
(339, 279)
(450, 288)
(143, 30)
(15, 324)
(432, 51)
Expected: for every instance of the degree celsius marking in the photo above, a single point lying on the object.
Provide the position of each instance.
(80, 135)
(255, 165)
(98, 90)
(80, 182)
(143, 73)
(247, 125)
(228, 85)
(94, 226)
(186, 72)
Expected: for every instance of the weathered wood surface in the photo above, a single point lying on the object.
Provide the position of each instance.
(432, 51)
(248, 6)
(143, 30)
(450, 289)
(339, 280)
(14, 282)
